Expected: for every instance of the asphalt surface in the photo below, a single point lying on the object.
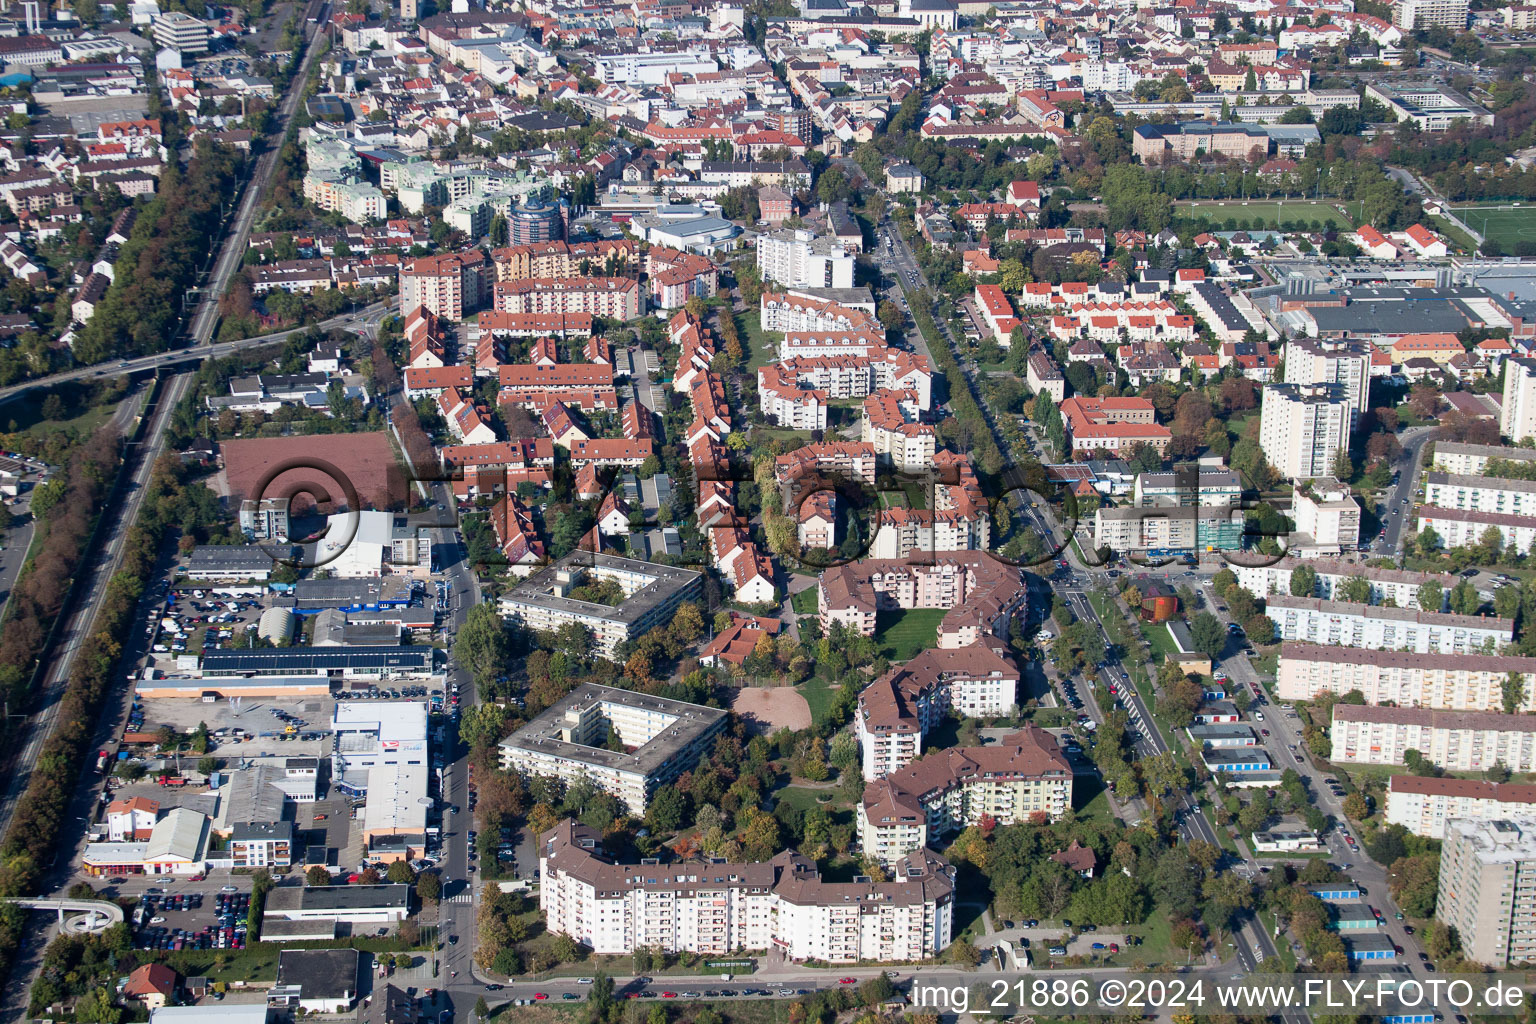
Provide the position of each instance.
(1400, 498)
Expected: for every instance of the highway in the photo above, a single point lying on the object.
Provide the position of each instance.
(90, 591)
(121, 510)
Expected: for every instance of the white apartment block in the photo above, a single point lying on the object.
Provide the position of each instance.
(898, 709)
(1303, 427)
(1488, 889)
(1397, 586)
(1363, 625)
(1345, 362)
(1410, 15)
(1191, 485)
(1458, 741)
(1517, 416)
(1327, 518)
(891, 423)
(782, 311)
(944, 792)
(661, 738)
(715, 907)
(1425, 806)
(1472, 459)
(796, 258)
(652, 595)
(1463, 528)
(789, 404)
(1466, 682)
(1481, 493)
(901, 531)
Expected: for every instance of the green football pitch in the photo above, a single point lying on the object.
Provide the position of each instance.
(1505, 223)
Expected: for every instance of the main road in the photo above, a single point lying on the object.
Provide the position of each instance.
(1253, 944)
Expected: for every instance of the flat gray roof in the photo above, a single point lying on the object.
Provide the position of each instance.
(539, 590)
(543, 734)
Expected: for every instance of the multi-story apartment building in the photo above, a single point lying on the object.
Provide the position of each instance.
(652, 595)
(1461, 741)
(1488, 889)
(786, 311)
(1302, 428)
(854, 460)
(262, 844)
(264, 519)
(1043, 375)
(659, 739)
(1024, 774)
(891, 422)
(902, 706)
(1327, 518)
(1463, 459)
(1342, 361)
(1169, 528)
(796, 258)
(450, 286)
(1410, 15)
(1363, 625)
(1387, 586)
(1517, 416)
(1481, 493)
(1424, 805)
(1189, 485)
(617, 298)
(1459, 528)
(716, 907)
(1470, 682)
(981, 593)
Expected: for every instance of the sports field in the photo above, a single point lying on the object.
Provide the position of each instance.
(1504, 223)
(1263, 213)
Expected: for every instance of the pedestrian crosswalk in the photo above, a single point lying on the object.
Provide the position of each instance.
(464, 897)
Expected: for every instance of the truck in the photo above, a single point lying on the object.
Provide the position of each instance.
(175, 781)
(101, 760)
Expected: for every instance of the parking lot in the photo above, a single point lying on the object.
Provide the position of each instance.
(191, 920)
(188, 620)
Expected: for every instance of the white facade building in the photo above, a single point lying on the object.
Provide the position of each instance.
(1460, 741)
(1517, 416)
(1470, 682)
(715, 907)
(1363, 625)
(796, 258)
(1303, 427)
(1424, 805)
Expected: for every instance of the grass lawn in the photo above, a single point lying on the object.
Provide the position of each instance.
(804, 602)
(917, 494)
(818, 694)
(1271, 213)
(893, 499)
(1458, 237)
(1502, 222)
(28, 419)
(902, 635)
(762, 346)
(1161, 640)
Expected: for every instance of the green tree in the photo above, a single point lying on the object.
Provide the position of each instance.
(317, 875)
(483, 645)
(97, 1006)
(400, 873)
(1464, 598)
(1431, 596)
(1209, 635)
(1512, 690)
(1303, 581)
(428, 887)
(1355, 590)
(667, 810)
